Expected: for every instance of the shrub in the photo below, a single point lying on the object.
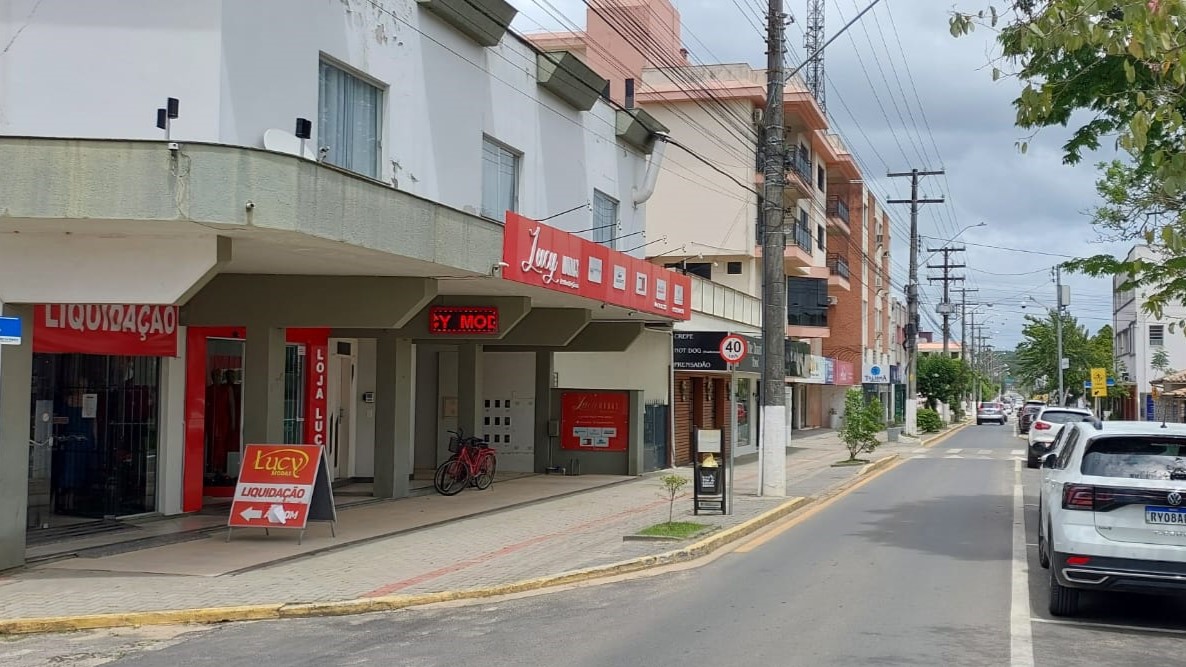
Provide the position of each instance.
(929, 420)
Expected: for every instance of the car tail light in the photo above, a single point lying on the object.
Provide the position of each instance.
(1078, 497)
(1078, 560)
(1041, 426)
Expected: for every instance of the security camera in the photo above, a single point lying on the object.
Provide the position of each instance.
(497, 268)
(249, 205)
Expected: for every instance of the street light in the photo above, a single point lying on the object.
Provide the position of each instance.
(1057, 314)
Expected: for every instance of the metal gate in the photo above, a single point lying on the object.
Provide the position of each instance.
(654, 437)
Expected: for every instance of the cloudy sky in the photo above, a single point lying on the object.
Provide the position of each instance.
(904, 93)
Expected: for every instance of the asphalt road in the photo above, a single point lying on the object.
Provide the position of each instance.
(913, 568)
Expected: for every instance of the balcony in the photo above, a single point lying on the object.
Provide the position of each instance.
(717, 300)
(799, 176)
(839, 274)
(797, 252)
(838, 214)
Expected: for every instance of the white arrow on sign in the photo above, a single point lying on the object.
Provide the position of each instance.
(276, 514)
(251, 513)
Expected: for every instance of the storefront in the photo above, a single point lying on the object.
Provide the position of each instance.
(805, 375)
(701, 393)
(95, 422)
(214, 404)
(838, 379)
(875, 380)
(898, 397)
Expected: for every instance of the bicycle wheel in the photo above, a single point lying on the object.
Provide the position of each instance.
(451, 477)
(485, 476)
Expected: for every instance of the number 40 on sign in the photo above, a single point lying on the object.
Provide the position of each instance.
(733, 348)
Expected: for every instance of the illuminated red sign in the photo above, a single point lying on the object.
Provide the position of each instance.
(463, 320)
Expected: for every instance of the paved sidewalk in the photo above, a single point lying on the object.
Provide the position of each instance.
(525, 542)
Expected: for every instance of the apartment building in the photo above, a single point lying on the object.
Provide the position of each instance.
(1139, 337)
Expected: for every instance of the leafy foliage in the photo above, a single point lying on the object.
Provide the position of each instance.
(1037, 353)
(943, 379)
(862, 422)
(929, 421)
(1124, 64)
(672, 485)
(1160, 361)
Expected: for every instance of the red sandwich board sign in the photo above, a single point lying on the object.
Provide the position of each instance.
(282, 486)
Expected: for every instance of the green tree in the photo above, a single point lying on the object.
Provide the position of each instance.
(943, 379)
(1113, 71)
(1160, 361)
(1037, 353)
(862, 421)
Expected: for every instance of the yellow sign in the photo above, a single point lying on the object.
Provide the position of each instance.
(1099, 392)
(1099, 377)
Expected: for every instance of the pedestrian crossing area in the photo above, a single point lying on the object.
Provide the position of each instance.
(973, 454)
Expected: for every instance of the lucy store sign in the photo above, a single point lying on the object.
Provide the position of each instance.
(106, 329)
(544, 256)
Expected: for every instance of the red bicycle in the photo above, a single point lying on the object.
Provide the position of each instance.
(473, 462)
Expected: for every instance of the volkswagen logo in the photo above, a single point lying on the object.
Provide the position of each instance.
(1174, 498)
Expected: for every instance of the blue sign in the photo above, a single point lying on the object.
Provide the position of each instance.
(1149, 416)
(829, 370)
(1111, 383)
(10, 331)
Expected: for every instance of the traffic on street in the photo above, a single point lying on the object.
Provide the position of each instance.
(924, 564)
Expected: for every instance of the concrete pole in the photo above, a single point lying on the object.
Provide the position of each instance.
(774, 288)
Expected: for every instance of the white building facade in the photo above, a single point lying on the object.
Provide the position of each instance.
(317, 249)
(1139, 336)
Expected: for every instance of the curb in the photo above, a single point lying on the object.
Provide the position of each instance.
(390, 603)
(874, 467)
(945, 435)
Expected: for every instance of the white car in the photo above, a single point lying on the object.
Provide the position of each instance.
(1111, 511)
(1045, 426)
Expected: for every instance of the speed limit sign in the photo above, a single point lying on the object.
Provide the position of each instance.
(733, 348)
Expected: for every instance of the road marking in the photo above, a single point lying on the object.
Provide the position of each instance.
(1018, 452)
(984, 452)
(808, 512)
(1021, 640)
(957, 450)
(956, 456)
(920, 450)
(1111, 626)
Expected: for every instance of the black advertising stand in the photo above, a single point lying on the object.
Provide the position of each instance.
(708, 483)
(322, 507)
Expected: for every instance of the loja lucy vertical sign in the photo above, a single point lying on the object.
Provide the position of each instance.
(315, 344)
(544, 256)
(105, 328)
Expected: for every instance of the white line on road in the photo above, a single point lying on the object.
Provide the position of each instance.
(957, 450)
(921, 450)
(1021, 641)
(957, 456)
(1111, 626)
(984, 452)
(1018, 452)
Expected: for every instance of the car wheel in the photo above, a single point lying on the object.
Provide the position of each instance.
(1031, 461)
(979, 423)
(1063, 601)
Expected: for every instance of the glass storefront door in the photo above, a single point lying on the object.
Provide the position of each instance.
(94, 433)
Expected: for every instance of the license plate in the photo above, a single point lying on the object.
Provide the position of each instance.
(1171, 516)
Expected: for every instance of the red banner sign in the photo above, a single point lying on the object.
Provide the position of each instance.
(544, 256)
(845, 373)
(114, 329)
(275, 486)
(463, 320)
(595, 420)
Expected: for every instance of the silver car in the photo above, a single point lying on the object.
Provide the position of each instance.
(990, 412)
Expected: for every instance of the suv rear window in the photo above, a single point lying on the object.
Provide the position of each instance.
(1062, 416)
(1136, 457)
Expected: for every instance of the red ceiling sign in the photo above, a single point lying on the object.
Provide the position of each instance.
(463, 320)
(544, 256)
(105, 328)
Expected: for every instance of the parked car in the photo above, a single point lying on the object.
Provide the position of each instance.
(1045, 427)
(990, 412)
(1025, 416)
(1110, 509)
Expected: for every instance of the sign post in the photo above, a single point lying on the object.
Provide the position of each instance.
(282, 486)
(733, 350)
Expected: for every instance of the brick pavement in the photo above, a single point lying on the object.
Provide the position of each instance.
(544, 538)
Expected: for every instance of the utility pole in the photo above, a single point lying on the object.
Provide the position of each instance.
(773, 451)
(912, 293)
(1062, 303)
(965, 349)
(945, 308)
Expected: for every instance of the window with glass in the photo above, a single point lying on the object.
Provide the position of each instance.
(807, 302)
(500, 180)
(605, 219)
(1156, 334)
(294, 394)
(349, 120)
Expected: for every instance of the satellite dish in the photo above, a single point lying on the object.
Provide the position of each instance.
(283, 141)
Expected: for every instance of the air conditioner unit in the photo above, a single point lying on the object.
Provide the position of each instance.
(832, 301)
(756, 115)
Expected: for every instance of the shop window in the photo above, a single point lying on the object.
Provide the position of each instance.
(500, 179)
(95, 436)
(349, 120)
(224, 404)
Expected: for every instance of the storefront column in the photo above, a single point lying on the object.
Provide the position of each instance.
(469, 388)
(16, 379)
(543, 410)
(263, 385)
(395, 405)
